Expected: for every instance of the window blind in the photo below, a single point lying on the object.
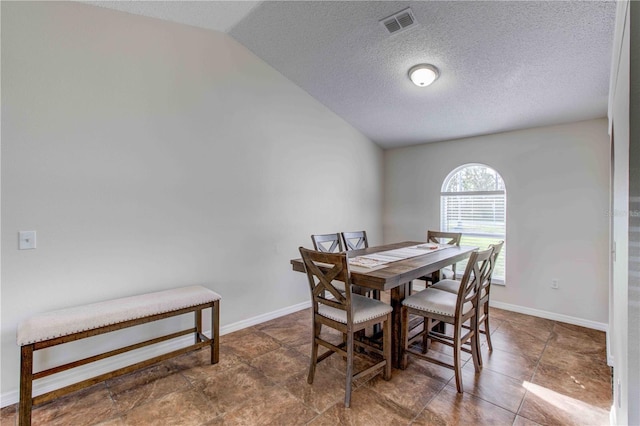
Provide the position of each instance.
(481, 218)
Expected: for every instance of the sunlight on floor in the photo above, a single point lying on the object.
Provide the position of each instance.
(561, 402)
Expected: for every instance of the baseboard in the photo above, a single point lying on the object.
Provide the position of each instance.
(230, 328)
(610, 358)
(76, 375)
(612, 416)
(551, 315)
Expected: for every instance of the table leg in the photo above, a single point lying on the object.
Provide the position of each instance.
(398, 294)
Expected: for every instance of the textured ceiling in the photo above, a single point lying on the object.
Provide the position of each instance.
(504, 65)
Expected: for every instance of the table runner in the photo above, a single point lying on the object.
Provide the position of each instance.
(376, 260)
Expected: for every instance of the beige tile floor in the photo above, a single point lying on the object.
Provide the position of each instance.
(540, 372)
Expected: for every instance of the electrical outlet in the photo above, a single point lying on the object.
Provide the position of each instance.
(554, 284)
(26, 240)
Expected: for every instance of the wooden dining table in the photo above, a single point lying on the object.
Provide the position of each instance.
(397, 277)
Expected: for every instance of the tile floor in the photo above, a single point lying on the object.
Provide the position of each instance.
(540, 372)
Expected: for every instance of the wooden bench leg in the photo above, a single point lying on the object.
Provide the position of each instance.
(198, 325)
(26, 385)
(215, 332)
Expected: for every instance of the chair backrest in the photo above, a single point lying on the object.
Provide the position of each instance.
(322, 269)
(484, 289)
(497, 247)
(355, 240)
(439, 237)
(476, 275)
(327, 243)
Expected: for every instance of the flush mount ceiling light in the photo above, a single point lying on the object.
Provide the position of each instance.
(423, 75)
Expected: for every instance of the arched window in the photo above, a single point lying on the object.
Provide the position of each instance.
(473, 201)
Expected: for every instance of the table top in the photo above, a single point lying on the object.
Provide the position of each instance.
(400, 272)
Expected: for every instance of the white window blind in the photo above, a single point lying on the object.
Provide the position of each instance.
(473, 202)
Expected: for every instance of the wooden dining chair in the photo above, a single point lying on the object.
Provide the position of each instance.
(327, 243)
(355, 240)
(453, 286)
(449, 238)
(437, 306)
(346, 312)
(483, 298)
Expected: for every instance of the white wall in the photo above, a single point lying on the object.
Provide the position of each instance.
(557, 182)
(149, 155)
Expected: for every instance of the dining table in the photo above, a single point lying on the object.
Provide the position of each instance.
(397, 276)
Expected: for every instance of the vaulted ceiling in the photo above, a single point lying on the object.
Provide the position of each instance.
(504, 65)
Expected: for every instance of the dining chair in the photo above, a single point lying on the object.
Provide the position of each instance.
(355, 240)
(452, 286)
(449, 238)
(437, 306)
(327, 243)
(332, 243)
(346, 312)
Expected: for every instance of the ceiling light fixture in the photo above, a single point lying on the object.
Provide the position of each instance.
(423, 75)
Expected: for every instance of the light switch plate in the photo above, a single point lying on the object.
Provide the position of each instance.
(26, 240)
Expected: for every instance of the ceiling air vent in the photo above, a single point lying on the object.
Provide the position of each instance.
(399, 21)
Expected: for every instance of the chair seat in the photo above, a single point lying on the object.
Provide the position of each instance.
(436, 301)
(453, 286)
(339, 286)
(364, 309)
(447, 273)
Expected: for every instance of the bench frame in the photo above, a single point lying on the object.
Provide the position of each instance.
(27, 376)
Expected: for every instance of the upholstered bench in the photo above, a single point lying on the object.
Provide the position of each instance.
(66, 325)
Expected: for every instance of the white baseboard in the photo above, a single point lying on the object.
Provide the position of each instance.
(559, 317)
(78, 374)
(551, 315)
(263, 318)
(612, 416)
(610, 358)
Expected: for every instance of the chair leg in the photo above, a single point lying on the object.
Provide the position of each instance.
(426, 328)
(404, 336)
(317, 328)
(457, 365)
(386, 347)
(375, 294)
(486, 327)
(475, 344)
(345, 340)
(347, 393)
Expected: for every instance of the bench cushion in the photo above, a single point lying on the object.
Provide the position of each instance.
(50, 325)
